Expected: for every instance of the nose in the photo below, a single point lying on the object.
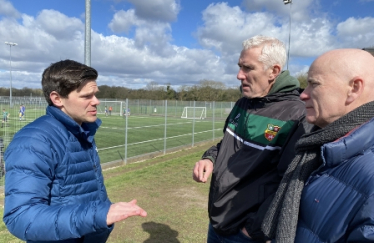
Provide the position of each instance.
(95, 101)
(240, 76)
(304, 95)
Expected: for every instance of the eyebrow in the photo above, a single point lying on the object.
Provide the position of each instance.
(313, 80)
(91, 92)
(245, 64)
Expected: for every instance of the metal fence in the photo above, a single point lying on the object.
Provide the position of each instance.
(130, 128)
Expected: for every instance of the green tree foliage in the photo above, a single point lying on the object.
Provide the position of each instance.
(205, 90)
(303, 79)
(21, 92)
(171, 94)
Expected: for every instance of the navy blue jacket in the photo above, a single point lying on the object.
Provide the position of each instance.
(337, 203)
(54, 189)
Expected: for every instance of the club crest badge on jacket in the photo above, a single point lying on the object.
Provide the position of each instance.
(271, 131)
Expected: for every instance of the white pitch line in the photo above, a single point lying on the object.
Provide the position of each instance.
(169, 124)
(157, 139)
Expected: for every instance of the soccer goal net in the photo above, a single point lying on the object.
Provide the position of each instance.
(194, 112)
(111, 107)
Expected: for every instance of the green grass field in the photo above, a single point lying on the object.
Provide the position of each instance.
(176, 205)
(145, 132)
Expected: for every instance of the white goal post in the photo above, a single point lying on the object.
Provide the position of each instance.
(117, 107)
(190, 112)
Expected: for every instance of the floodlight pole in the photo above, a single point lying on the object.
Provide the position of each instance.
(10, 44)
(87, 41)
(289, 33)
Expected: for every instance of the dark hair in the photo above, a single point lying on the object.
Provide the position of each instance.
(65, 77)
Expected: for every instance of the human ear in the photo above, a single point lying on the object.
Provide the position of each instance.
(356, 88)
(56, 99)
(275, 71)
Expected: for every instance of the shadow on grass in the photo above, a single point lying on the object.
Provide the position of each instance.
(160, 233)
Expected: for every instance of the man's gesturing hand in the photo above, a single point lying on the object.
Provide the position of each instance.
(122, 210)
(202, 170)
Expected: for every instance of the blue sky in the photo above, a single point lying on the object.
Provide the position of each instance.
(177, 42)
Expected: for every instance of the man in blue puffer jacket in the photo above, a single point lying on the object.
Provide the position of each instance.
(327, 194)
(54, 188)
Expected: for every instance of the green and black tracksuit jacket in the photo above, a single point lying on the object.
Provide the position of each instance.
(250, 160)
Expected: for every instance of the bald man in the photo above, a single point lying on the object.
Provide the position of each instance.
(327, 194)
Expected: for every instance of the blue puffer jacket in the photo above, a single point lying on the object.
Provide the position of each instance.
(337, 203)
(54, 188)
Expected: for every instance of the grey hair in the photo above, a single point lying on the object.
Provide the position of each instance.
(273, 50)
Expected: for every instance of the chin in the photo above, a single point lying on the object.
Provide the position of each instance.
(248, 95)
(310, 120)
(93, 119)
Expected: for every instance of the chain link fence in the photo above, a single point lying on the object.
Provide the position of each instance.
(131, 129)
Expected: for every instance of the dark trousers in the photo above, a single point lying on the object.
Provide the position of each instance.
(239, 237)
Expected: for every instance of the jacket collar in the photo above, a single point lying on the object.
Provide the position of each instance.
(352, 144)
(285, 87)
(284, 83)
(85, 132)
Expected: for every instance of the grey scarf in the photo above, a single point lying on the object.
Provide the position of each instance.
(281, 218)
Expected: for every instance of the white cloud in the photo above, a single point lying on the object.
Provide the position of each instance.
(141, 48)
(49, 37)
(58, 25)
(43, 39)
(225, 28)
(153, 35)
(356, 32)
(312, 32)
(300, 10)
(156, 10)
(120, 57)
(147, 57)
(8, 10)
(312, 38)
(123, 21)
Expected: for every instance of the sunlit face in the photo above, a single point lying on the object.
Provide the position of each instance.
(81, 106)
(254, 79)
(325, 96)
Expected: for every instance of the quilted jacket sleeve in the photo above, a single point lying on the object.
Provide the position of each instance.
(30, 163)
(362, 227)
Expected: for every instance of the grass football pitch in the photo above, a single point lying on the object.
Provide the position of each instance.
(144, 134)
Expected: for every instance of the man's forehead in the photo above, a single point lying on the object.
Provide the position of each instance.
(320, 66)
(90, 86)
(255, 49)
(314, 74)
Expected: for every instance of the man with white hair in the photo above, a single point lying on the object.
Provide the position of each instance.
(258, 144)
(327, 193)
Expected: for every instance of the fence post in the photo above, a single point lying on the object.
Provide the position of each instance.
(166, 116)
(193, 123)
(214, 105)
(126, 123)
(221, 108)
(2, 165)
